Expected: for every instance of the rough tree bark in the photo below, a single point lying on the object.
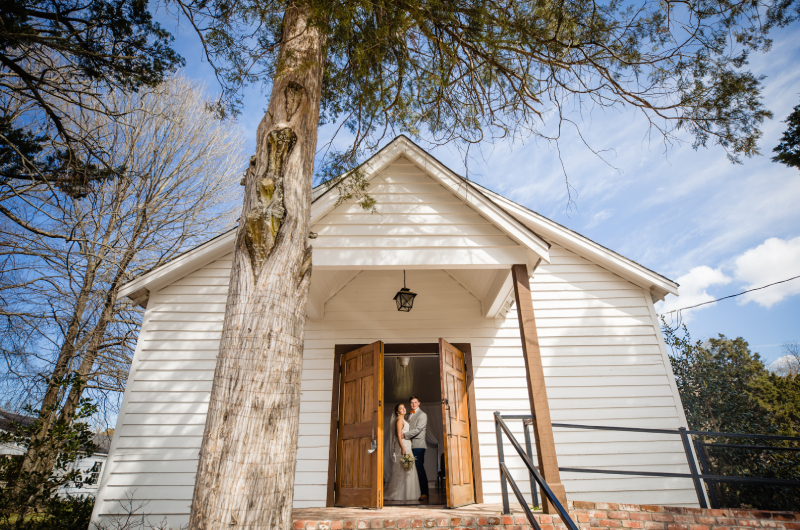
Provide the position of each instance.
(245, 478)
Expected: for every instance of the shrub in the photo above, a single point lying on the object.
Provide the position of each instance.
(29, 496)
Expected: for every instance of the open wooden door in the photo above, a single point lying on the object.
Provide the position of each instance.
(455, 416)
(359, 460)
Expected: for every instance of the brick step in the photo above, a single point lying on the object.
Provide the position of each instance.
(587, 515)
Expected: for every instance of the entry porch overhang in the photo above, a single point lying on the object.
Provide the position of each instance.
(491, 286)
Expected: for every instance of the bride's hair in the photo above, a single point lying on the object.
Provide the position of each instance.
(397, 408)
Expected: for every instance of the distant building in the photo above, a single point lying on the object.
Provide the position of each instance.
(6, 419)
(91, 467)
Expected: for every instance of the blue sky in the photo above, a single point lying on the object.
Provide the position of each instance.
(714, 227)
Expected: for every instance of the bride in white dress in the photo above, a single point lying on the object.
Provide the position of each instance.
(403, 484)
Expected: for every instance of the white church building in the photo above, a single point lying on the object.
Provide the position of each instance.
(604, 358)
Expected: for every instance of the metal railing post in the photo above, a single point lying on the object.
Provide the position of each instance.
(698, 484)
(521, 499)
(705, 468)
(528, 449)
(501, 461)
(545, 489)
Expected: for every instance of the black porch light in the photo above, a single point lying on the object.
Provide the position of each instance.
(404, 297)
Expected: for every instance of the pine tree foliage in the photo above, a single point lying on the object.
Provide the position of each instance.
(69, 53)
(780, 397)
(724, 387)
(789, 148)
(481, 70)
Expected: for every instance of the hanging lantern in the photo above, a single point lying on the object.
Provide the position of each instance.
(404, 297)
(404, 361)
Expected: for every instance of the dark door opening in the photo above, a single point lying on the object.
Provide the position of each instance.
(415, 374)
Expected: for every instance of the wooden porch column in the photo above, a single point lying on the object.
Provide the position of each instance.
(537, 393)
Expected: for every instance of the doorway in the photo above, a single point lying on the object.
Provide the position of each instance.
(356, 453)
(407, 374)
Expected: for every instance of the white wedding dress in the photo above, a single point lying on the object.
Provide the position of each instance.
(403, 484)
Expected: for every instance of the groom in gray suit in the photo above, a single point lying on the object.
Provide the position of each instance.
(418, 429)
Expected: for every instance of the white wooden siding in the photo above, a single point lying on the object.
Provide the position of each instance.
(153, 458)
(418, 221)
(602, 363)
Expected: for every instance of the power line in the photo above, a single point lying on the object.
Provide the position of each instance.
(732, 295)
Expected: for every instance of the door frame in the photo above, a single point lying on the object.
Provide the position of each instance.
(388, 349)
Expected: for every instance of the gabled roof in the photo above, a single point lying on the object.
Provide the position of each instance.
(528, 228)
(657, 284)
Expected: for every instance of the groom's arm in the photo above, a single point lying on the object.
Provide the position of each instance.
(422, 423)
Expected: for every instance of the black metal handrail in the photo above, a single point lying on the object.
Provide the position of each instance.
(697, 477)
(506, 478)
(666, 431)
(745, 446)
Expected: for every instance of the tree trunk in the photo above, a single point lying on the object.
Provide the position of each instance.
(247, 461)
(98, 333)
(40, 459)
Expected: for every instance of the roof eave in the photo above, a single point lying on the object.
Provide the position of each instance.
(139, 289)
(658, 285)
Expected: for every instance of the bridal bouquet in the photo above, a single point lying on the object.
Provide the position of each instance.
(407, 461)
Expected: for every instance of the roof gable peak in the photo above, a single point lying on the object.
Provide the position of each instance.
(403, 148)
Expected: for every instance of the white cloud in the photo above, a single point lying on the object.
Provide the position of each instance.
(599, 217)
(692, 290)
(773, 260)
(786, 365)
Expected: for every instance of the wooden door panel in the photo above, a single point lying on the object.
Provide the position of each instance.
(347, 458)
(466, 460)
(360, 423)
(364, 472)
(455, 474)
(366, 398)
(455, 417)
(461, 392)
(350, 396)
(350, 366)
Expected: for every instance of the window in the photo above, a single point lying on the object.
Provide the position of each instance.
(94, 473)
